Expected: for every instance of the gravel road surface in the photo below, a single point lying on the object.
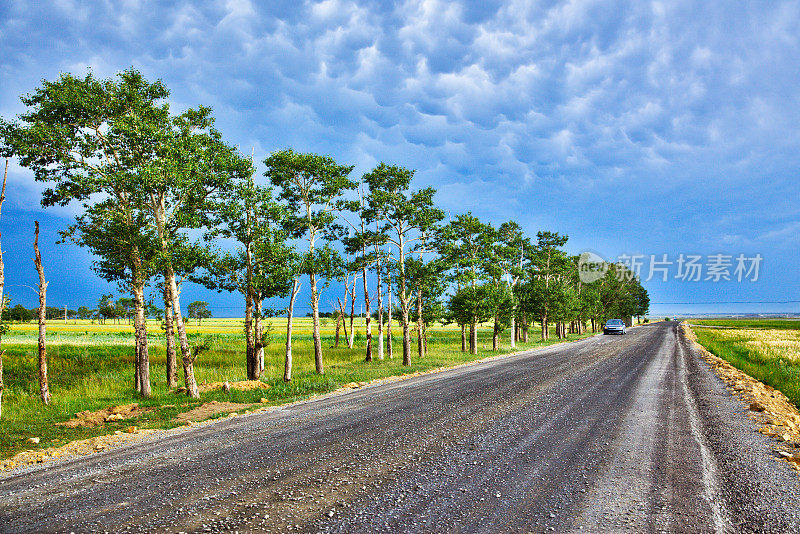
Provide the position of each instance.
(624, 433)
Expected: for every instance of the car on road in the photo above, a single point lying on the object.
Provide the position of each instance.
(614, 326)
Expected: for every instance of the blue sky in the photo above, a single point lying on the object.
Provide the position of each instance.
(633, 127)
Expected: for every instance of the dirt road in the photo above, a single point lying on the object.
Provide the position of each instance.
(624, 433)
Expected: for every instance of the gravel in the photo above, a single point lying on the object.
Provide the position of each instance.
(630, 433)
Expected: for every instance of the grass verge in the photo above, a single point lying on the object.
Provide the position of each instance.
(767, 350)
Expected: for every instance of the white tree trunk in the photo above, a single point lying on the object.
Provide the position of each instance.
(44, 387)
(287, 367)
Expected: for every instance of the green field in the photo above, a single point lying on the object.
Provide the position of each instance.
(776, 324)
(91, 367)
(768, 350)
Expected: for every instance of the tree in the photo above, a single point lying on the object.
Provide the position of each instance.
(84, 313)
(466, 244)
(181, 187)
(547, 264)
(406, 217)
(91, 140)
(312, 187)
(510, 260)
(106, 308)
(18, 313)
(3, 299)
(430, 283)
(44, 387)
(198, 310)
(262, 267)
(642, 300)
(471, 304)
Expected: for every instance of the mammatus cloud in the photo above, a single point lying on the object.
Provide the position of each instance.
(575, 115)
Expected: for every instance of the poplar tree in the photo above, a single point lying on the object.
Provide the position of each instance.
(90, 139)
(406, 216)
(312, 187)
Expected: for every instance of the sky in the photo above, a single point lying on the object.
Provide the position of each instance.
(636, 128)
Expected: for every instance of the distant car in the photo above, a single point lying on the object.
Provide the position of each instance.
(614, 326)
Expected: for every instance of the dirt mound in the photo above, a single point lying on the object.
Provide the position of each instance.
(80, 447)
(768, 406)
(208, 409)
(90, 419)
(243, 385)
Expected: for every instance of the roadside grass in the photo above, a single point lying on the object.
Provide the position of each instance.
(767, 350)
(90, 367)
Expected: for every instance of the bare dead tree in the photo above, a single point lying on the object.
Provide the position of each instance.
(43, 385)
(2, 286)
(2, 352)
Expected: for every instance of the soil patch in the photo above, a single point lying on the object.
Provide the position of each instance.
(90, 419)
(80, 447)
(208, 409)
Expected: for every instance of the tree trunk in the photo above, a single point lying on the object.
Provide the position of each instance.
(525, 331)
(380, 314)
(513, 330)
(287, 365)
(258, 344)
(351, 338)
(140, 327)
(344, 316)
(389, 348)
(44, 388)
(2, 287)
(496, 335)
(367, 315)
(1, 382)
(463, 338)
(183, 340)
(545, 333)
(473, 338)
(420, 328)
(338, 327)
(169, 333)
(315, 312)
(250, 347)
(174, 295)
(406, 334)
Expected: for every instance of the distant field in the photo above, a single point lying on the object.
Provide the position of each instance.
(779, 324)
(91, 367)
(768, 350)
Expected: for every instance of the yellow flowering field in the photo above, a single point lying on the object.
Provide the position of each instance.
(767, 350)
(770, 343)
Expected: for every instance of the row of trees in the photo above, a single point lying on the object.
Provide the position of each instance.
(148, 179)
(108, 309)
